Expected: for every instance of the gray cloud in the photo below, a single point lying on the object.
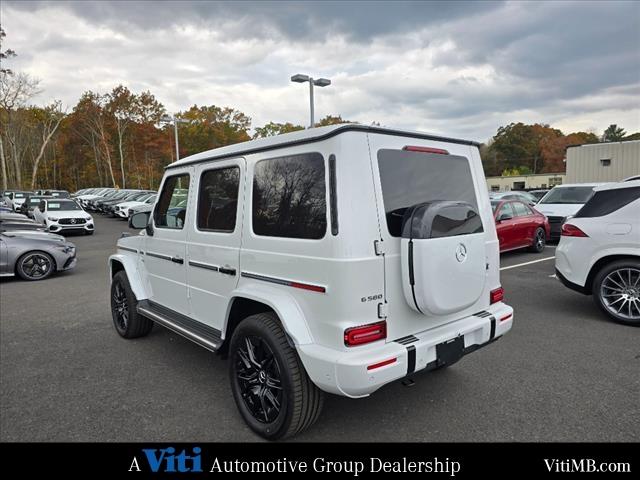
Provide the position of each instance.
(453, 67)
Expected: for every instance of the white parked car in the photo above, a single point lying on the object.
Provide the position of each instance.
(599, 251)
(63, 215)
(15, 199)
(563, 201)
(335, 259)
(122, 209)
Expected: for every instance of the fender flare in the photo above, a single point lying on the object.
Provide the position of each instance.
(130, 265)
(282, 303)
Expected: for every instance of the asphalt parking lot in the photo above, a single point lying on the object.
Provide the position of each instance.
(564, 373)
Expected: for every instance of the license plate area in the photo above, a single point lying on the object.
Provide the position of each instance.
(451, 351)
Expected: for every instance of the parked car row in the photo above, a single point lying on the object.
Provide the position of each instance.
(120, 203)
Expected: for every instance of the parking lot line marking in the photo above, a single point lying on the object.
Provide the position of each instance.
(526, 263)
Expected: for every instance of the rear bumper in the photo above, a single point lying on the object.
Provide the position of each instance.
(573, 286)
(346, 373)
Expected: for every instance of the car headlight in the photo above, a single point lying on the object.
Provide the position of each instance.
(52, 219)
(88, 219)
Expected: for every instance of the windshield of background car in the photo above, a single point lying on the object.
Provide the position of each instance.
(568, 195)
(62, 206)
(34, 200)
(19, 195)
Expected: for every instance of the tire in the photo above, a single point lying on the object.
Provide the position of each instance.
(616, 291)
(297, 403)
(127, 321)
(35, 265)
(539, 241)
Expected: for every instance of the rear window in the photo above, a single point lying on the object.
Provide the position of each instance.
(608, 201)
(289, 197)
(568, 195)
(410, 178)
(218, 199)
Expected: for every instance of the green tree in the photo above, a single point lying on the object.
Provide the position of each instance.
(633, 136)
(613, 133)
(519, 145)
(331, 120)
(211, 127)
(272, 129)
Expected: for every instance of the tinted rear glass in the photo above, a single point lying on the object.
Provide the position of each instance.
(289, 197)
(410, 178)
(218, 199)
(568, 195)
(608, 201)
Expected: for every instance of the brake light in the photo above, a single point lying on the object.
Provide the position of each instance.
(496, 295)
(569, 230)
(412, 148)
(365, 334)
(382, 364)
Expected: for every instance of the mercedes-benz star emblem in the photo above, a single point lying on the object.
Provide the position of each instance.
(461, 253)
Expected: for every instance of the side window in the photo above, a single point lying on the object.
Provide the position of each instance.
(505, 209)
(289, 197)
(218, 199)
(608, 201)
(521, 209)
(171, 209)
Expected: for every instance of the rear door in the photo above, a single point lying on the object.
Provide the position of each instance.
(404, 178)
(525, 224)
(213, 252)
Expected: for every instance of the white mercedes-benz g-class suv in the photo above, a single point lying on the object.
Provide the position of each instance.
(335, 259)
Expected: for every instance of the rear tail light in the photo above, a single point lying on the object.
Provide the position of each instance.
(382, 363)
(569, 230)
(496, 295)
(440, 151)
(365, 334)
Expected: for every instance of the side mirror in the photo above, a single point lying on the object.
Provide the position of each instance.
(139, 220)
(504, 216)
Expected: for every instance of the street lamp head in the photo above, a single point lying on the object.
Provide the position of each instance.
(322, 82)
(299, 78)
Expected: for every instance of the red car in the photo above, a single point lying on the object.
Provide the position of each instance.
(520, 226)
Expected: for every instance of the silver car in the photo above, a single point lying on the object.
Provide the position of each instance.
(35, 255)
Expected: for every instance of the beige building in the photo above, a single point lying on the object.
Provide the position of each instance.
(603, 162)
(521, 182)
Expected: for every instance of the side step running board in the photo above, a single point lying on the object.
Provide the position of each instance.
(204, 335)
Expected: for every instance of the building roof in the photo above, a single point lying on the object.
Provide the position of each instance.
(305, 136)
(599, 143)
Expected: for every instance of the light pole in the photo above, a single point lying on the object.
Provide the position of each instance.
(320, 82)
(175, 120)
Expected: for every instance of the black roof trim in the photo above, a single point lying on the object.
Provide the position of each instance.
(332, 133)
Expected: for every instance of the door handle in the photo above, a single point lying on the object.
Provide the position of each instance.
(227, 271)
(179, 260)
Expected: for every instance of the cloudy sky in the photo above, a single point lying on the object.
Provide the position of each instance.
(455, 68)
